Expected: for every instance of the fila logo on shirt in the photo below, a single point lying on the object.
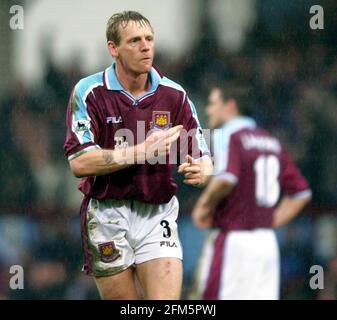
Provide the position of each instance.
(114, 120)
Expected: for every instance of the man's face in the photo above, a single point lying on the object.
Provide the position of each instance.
(216, 109)
(136, 48)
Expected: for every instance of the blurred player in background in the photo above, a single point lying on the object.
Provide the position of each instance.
(129, 209)
(256, 187)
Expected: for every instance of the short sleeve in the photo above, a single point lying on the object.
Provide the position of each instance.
(192, 140)
(230, 161)
(82, 124)
(292, 181)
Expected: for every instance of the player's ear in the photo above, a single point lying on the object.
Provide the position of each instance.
(112, 47)
(232, 105)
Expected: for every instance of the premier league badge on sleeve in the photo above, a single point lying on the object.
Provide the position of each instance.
(108, 252)
(160, 120)
(82, 130)
(80, 126)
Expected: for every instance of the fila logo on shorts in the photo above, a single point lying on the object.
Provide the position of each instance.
(168, 244)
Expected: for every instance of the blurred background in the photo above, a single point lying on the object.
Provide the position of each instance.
(266, 44)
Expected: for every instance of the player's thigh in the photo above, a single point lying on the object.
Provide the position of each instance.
(161, 278)
(269, 284)
(158, 251)
(120, 286)
(250, 266)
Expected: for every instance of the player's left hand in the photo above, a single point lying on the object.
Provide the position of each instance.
(191, 171)
(202, 216)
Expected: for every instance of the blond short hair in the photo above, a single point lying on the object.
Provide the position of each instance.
(122, 19)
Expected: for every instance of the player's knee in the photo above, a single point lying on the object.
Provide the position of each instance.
(116, 289)
(168, 292)
(117, 296)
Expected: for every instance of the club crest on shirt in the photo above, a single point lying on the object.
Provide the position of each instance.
(160, 120)
(108, 252)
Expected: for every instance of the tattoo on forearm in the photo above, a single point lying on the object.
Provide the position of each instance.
(107, 156)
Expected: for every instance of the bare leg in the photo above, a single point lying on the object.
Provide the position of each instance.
(118, 287)
(161, 279)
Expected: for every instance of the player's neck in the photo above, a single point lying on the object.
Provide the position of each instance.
(136, 84)
(231, 117)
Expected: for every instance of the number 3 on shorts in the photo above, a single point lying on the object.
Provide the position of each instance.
(167, 231)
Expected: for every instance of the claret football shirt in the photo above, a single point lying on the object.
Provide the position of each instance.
(103, 115)
(262, 171)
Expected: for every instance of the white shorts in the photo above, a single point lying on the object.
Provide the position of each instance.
(120, 233)
(239, 265)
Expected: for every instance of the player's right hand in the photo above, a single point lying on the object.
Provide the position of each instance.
(158, 143)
